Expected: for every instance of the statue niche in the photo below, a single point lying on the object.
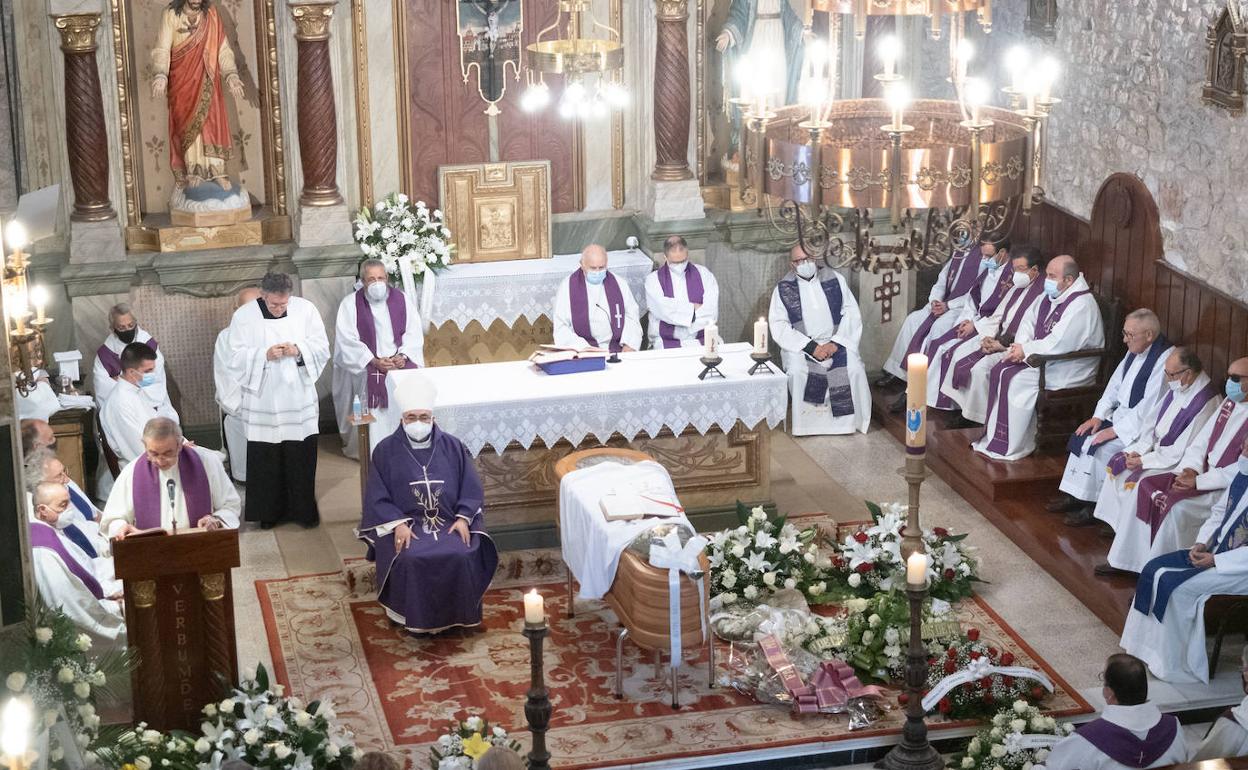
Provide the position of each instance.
(1226, 42)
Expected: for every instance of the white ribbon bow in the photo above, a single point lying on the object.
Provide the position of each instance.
(426, 290)
(670, 555)
(978, 669)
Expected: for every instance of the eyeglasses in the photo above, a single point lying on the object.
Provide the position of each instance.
(1126, 335)
(801, 261)
(427, 419)
(1234, 377)
(1172, 375)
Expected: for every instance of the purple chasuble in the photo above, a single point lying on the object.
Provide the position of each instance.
(958, 281)
(1011, 319)
(1004, 373)
(112, 361)
(1118, 463)
(578, 300)
(832, 384)
(375, 379)
(1121, 745)
(436, 582)
(148, 496)
(44, 536)
(695, 292)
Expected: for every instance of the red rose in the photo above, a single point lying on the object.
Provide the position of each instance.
(1008, 681)
(903, 699)
(861, 537)
(986, 682)
(1007, 658)
(950, 574)
(950, 666)
(1037, 692)
(865, 567)
(838, 562)
(975, 655)
(992, 652)
(952, 652)
(989, 699)
(940, 532)
(946, 705)
(973, 634)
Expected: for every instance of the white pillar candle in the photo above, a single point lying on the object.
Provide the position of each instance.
(916, 401)
(709, 336)
(916, 569)
(760, 336)
(534, 608)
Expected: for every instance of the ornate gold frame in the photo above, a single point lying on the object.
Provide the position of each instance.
(363, 128)
(277, 226)
(1230, 27)
(521, 188)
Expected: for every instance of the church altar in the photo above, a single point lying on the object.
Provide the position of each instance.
(712, 435)
(500, 311)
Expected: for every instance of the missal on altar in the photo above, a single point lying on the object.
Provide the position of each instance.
(630, 506)
(549, 354)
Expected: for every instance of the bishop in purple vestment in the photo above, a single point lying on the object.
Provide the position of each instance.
(423, 520)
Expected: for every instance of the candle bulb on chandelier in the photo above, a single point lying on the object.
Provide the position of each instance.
(890, 49)
(15, 238)
(898, 99)
(1049, 69)
(976, 97)
(39, 296)
(966, 52)
(1016, 64)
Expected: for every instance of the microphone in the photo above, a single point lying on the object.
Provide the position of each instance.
(172, 487)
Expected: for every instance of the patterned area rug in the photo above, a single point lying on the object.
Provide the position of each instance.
(330, 639)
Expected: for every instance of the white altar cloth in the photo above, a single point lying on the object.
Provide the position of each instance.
(649, 390)
(489, 291)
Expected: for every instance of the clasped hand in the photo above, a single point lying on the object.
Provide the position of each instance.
(1014, 354)
(938, 308)
(965, 329)
(282, 350)
(1200, 557)
(1134, 461)
(1087, 426)
(1186, 479)
(825, 351)
(403, 533)
(396, 361)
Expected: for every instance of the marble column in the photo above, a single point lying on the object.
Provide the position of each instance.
(676, 193)
(86, 139)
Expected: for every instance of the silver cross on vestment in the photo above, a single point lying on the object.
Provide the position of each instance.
(380, 375)
(427, 498)
(617, 315)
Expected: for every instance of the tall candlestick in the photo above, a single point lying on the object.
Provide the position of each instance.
(916, 403)
(760, 336)
(916, 569)
(534, 609)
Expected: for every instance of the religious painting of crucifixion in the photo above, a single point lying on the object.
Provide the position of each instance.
(489, 43)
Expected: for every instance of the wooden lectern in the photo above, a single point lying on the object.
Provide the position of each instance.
(179, 621)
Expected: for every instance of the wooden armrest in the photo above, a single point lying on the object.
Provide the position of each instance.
(1040, 360)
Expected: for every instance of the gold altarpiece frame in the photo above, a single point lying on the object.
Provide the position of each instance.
(497, 211)
(272, 222)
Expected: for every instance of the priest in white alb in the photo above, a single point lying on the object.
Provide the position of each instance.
(963, 369)
(1176, 504)
(173, 485)
(1228, 735)
(42, 464)
(124, 329)
(128, 409)
(1166, 624)
(1118, 419)
(378, 331)
(280, 349)
(1191, 399)
(814, 318)
(50, 503)
(595, 309)
(1068, 319)
(682, 299)
(229, 395)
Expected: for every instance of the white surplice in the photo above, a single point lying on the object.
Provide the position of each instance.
(1175, 649)
(896, 363)
(1074, 752)
(677, 310)
(101, 619)
(1085, 472)
(351, 360)
(229, 397)
(226, 505)
(1117, 505)
(102, 562)
(123, 417)
(816, 419)
(103, 385)
(599, 318)
(1079, 328)
(279, 401)
(1227, 737)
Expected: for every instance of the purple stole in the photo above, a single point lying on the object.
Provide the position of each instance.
(1120, 744)
(375, 378)
(578, 300)
(693, 288)
(44, 536)
(833, 382)
(983, 307)
(958, 281)
(1004, 373)
(1230, 534)
(1118, 463)
(112, 361)
(147, 495)
(986, 306)
(1009, 325)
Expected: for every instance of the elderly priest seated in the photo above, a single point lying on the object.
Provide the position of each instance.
(594, 309)
(682, 298)
(172, 485)
(1166, 625)
(1066, 320)
(423, 519)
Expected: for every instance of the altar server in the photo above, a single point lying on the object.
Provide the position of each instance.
(594, 309)
(814, 318)
(172, 485)
(949, 296)
(124, 330)
(682, 299)
(1166, 624)
(280, 349)
(128, 409)
(38, 434)
(50, 504)
(1131, 733)
(1176, 504)
(963, 369)
(423, 521)
(1066, 320)
(1191, 399)
(229, 394)
(378, 332)
(66, 581)
(1228, 735)
(43, 465)
(1118, 419)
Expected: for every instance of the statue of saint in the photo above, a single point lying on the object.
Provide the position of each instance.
(770, 32)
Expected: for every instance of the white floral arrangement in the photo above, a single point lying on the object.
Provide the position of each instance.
(466, 742)
(763, 555)
(395, 228)
(1018, 739)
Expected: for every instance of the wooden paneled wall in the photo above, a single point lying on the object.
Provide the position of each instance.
(1120, 252)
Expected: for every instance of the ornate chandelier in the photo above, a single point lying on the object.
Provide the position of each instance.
(935, 10)
(26, 351)
(890, 183)
(592, 67)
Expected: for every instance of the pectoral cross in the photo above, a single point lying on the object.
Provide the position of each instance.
(1140, 761)
(428, 498)
(617, 315)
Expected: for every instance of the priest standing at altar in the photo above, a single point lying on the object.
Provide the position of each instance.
(594, 308)
(814, 318)
(378, 331)
(423, 519)
(280, 349)
(682, 299)
(229, 395)
(1066, 320)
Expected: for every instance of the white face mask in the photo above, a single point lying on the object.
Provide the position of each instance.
(1020, 280)
(807, 270)
(1175, 385)
(679, 267)
(418, 431)
(377, 291)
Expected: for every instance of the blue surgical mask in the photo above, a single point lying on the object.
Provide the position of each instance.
(1234, 390)
(596, 277)
(147, 380)
(1050, 288)
(988, 263)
